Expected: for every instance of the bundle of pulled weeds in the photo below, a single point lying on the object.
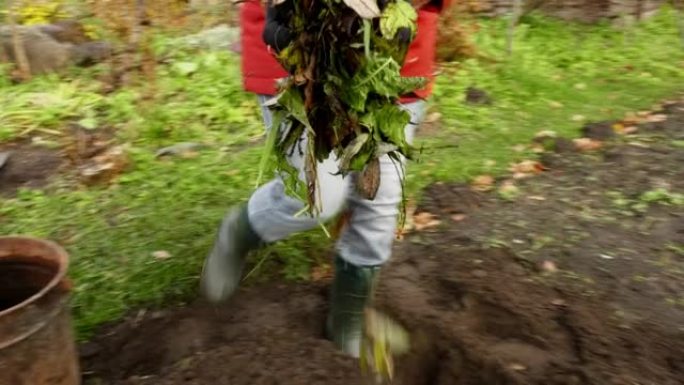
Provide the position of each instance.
(343, 92)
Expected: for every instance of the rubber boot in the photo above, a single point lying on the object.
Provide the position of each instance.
(223, 266)
(350, 293)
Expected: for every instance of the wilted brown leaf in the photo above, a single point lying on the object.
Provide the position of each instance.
(526, 168)
(587, 144)
(483, 183)
(369, 180)
(425, 220)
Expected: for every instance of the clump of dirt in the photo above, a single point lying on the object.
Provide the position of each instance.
(27, 167)
(577, 281)
(265, 335)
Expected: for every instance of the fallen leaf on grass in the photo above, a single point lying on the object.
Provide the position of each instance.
(587, 144)
(631, 119)
(483, 183)
(489, 163)
(545, 134)
(519, 148)
(578, 118)
(425, 220)
(161, 255)
(538, 148)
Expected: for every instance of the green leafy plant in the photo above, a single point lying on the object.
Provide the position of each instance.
(342, 96)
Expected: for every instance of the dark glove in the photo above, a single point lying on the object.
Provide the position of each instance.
(276, 33)
(404, 36)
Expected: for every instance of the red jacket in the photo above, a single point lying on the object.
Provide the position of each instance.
(260, 70)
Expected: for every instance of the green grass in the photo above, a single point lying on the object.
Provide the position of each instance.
(598, 72)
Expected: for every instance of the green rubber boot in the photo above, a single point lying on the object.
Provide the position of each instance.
(350, 293)
(223, 266)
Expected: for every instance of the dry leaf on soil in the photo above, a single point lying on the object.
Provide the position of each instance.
(483, 183)
(526, 168)
(629, 130)
(458, 217)
(425, 220)
(587, 144)
(549, 266)
(657, 118)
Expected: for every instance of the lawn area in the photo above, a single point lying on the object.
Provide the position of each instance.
(559, 76)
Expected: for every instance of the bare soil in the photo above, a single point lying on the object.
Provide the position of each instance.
(579, 280)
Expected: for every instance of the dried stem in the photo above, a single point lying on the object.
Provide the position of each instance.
(23, 66)
(515, 17)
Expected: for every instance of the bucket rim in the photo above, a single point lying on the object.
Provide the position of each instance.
(60, 274)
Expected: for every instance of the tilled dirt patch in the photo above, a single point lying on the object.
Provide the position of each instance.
(578, 280)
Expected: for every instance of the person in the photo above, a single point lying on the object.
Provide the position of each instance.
(270, 215)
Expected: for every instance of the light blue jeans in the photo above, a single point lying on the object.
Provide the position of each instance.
(368, 237)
